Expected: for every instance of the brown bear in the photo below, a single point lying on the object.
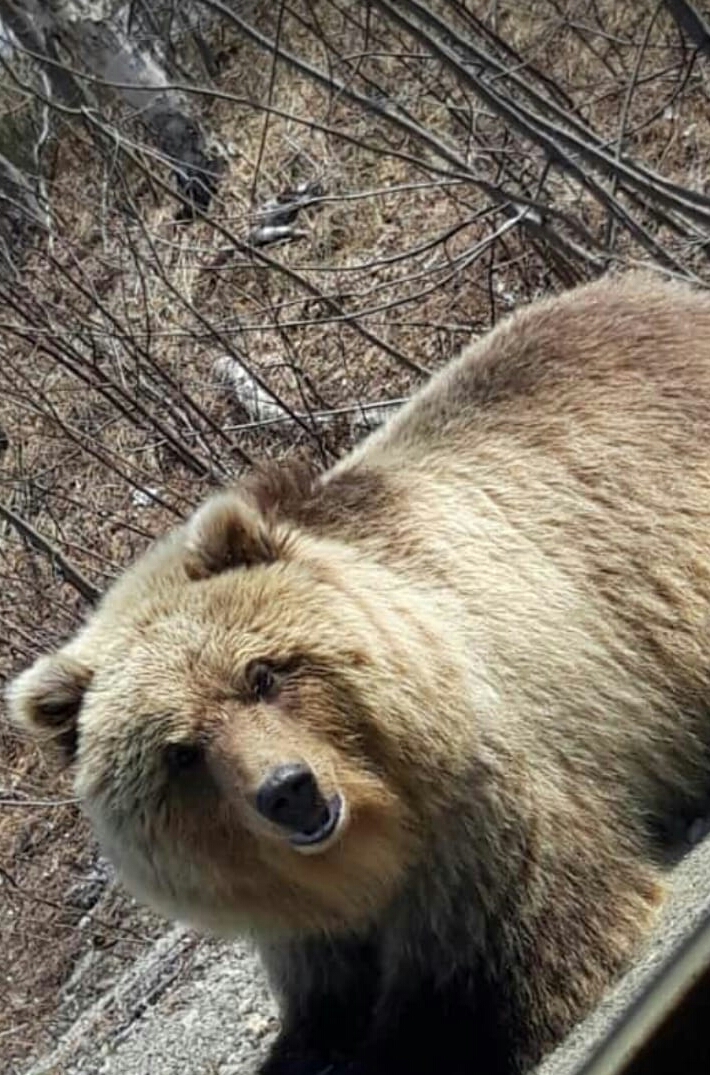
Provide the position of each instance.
(417, 724)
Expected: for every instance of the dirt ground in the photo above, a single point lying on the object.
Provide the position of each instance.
(116, 422)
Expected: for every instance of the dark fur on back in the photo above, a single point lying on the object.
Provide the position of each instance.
(295, 492)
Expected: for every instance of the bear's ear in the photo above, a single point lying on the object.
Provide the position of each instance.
(228, 532)
(46, 698)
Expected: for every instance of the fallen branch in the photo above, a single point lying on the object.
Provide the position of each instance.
(69, 572)
(691, 22)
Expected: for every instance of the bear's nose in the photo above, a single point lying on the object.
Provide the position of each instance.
(290, 797)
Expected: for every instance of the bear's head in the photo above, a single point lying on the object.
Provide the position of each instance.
(233, 713)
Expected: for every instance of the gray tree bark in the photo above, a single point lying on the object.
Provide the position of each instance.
(20, 214)
(92, 37)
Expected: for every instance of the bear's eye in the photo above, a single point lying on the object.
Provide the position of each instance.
(262, 680)
(183, 756)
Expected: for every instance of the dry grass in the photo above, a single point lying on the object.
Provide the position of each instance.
(112, 326)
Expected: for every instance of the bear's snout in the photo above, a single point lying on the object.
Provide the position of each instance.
(290, 797)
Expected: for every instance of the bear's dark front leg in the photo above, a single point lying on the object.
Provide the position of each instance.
(426, 1027)
(337, 1021)
(327, 990)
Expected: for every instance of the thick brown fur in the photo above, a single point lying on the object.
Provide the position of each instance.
(488, 629)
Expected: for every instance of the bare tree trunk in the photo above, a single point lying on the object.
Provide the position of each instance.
(19, 215)
(32, 26)
(93, 35)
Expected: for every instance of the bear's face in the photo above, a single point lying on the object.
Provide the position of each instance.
(221, 709)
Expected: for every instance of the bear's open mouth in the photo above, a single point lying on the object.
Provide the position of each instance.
(327, 827)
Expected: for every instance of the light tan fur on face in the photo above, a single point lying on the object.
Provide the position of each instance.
(172, 671)
(494, 620)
